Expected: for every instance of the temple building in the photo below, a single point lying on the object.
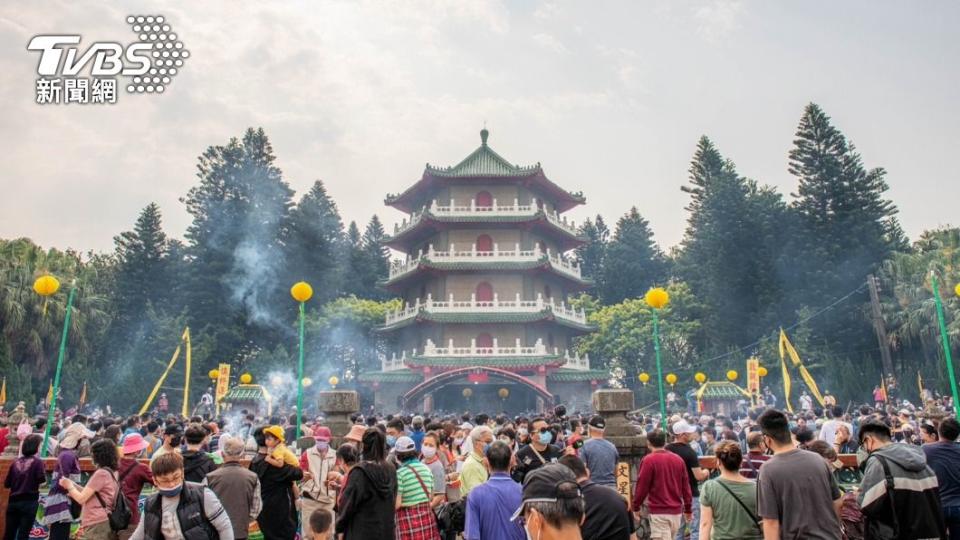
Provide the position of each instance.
(485, 282)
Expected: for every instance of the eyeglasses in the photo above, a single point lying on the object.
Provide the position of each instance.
(543, 430)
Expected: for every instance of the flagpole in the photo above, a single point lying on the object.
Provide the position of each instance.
(946, 343)
(56, 377)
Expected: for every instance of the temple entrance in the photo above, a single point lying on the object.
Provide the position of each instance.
(484, 398)
(478, 389)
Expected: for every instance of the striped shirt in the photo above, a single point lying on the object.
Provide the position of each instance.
(409, 487)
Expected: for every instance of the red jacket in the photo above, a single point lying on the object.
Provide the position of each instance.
(663, 482)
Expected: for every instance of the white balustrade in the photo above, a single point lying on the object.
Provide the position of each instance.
(394, 362)
(577, 362)
(495, 210)
(513, 305)
(497, 254)
(431, 350)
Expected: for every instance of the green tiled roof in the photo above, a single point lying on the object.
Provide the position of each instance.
(247, 392)
(570, 375)
(485, 361)
(479, 318)
(722, 390)
(483, 162)
(489, 218)
(401, 375)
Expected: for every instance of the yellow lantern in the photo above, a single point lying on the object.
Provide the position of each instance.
(301, 291)
(467, 392)
(762, 371)
(731, 375)
(46, 285)
(671, 379)
(246, 378)
(213, 374)
(700, 377)
(657, 298)
(503, 393)
(644, 377)
(334, 381)
(956, 289)
(307, 381)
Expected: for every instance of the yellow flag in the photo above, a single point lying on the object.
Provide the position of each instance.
(788, 348)
(50, 394)
(786, 383)
(186, 384)
(83, 395)
(3, 392)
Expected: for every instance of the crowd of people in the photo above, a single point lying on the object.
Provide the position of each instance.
(554, 476)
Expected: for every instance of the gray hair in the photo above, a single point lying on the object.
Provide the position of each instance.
(231, 446)
(477, 433)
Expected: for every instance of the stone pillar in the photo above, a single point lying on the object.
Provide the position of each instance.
(428, 403)
(337, 406)
(631, 442)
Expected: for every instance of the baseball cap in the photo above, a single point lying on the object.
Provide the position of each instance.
(597, 422)
(549, 483)
(276, 431)
(682, 427)
(322, 433)
(405, 444)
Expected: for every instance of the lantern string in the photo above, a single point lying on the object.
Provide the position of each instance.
(792, 326)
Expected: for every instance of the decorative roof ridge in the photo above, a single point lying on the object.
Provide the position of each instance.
(483, 161)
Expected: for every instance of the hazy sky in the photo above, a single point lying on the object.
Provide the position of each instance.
(610, 97)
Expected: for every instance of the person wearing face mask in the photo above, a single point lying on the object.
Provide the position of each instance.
(237, 487)
(899, 492)
(319, 461)
(180, 509)
(490, 505)
(552, 506)
(474, 470)
(430, 456)
(538, 453)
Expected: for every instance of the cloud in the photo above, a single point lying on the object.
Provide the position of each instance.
(549, 42)
(717, 19)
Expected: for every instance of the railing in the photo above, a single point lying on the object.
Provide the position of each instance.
(394, 362)
(569, 226)
(496, 254)
(430, 350)
(494, 210)
(538, 349)
(516, 305)
(577, 362)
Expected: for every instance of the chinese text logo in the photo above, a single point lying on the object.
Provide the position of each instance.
(144, 66)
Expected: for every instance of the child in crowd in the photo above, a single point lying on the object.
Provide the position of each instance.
(320, 523)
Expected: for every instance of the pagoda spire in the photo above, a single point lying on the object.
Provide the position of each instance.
(483, 135)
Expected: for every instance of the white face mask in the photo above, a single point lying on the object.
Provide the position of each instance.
(429, 451)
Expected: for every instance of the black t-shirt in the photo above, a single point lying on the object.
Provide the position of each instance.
(527, 460)
(607, 514)
(691, 460)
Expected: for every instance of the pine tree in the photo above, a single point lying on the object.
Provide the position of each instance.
(376, 257)
(142, 267)
(241, 220)
(590, 256)
(846, 228)
(633, 261)
(848, 225)
(353, 262)
(316, 241)
(730, 249)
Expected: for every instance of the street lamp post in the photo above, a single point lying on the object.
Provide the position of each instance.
(657, 299)
(301, 292)
(946, 342)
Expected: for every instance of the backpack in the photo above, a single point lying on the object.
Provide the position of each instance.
(120, 515)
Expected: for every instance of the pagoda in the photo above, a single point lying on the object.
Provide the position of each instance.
(485, 322)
